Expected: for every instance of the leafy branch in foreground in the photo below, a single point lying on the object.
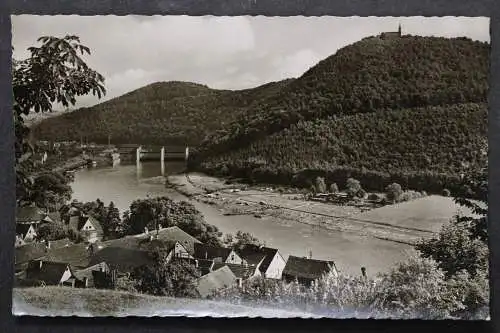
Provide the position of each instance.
(54, 73)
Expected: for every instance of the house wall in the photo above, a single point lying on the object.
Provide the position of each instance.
(234, 258)
(66, 275)
(276, 267)
(30, 234)
(181, 252)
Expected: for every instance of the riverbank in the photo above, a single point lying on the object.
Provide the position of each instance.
(405, 223)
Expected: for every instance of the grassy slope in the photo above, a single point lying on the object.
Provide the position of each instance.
(64, 301)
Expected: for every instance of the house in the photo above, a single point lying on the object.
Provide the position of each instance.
(50, 273)
(88, 226)
(31, 215)
(127, 253)
(215, 280)
(242, 272)
(205, 266)
(305, 270)
(26, 253)
(271, 263)
(77, 255)
(217, 253)
(176, 234)
(88, 276)
(25, 233)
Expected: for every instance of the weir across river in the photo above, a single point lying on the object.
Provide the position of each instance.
(152, 153)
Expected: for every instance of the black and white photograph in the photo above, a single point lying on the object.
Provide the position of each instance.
(251, 166)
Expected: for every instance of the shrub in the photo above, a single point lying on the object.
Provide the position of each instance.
(374, 197)
(394, 192)
(334, 188)
(446, 192)
(353, 186)
(320, 185)
(410, 195)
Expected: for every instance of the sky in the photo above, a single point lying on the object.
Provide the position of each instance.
(221, 52)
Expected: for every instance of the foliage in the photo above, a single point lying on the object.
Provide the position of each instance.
(175, 278)
(446, 192)
(320, 185)
(394, 192)
(125, 283)
(420, 149)
(51, 232)
(163, 211)
(353, 187)
(413, 289)
(240, 240)
(334, 188)
(461, 248)
(49, 190)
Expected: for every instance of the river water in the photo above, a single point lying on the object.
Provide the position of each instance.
(124, 183)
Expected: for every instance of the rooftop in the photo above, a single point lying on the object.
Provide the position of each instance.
(220, 278)
(307, 268)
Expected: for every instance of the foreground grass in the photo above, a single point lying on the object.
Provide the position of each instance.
(65, 301)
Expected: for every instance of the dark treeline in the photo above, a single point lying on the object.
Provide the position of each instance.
(421, 149)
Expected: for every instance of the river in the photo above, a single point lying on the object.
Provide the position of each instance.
(124, 183)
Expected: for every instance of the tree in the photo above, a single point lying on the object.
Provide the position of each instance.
(334, 188)
(50, 232)
(112, 221)
(353, 186)
(166, 278)
(416, 289)
(54, 73)
(150, 213)
(50, 190)
(320, 185)
(240, 240)
(394, 192)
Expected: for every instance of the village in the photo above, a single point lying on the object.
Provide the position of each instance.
(94, 263)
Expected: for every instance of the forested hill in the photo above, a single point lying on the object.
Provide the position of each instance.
(163, 112)
(410, 110)
(369, 75)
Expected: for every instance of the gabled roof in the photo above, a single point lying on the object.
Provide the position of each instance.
(204, 251)
(77, 255)
(28, 252)
(221, 278)
(240, 271)
(254, 252)
(77, 222)
(49, 272)
(56, 244)
(22, 229)
(29, 214)
(177, 234)
(307, 268)
(129, 252)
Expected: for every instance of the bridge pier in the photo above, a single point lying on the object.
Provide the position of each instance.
(138, 154)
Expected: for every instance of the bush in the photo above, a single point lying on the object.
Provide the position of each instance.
(410, 195)
(320, 185)
(374, 197)
(446, 193)
(334, 188)
(394, 192)
(353, 186)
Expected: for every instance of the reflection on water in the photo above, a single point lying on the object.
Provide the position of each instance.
(125, 183)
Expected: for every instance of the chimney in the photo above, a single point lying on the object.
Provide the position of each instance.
(206, 255)
(196, 263)
(41, 264)
(363, 271)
